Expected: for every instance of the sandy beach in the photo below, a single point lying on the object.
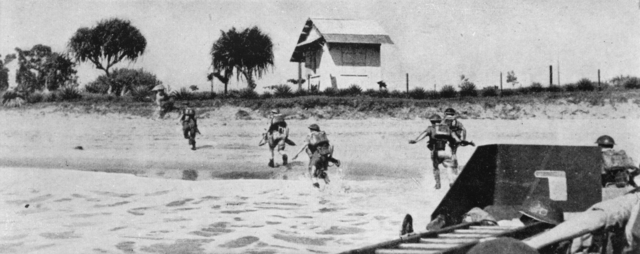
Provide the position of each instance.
(55, 202)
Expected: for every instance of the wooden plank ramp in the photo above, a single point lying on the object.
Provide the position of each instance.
(457, 239)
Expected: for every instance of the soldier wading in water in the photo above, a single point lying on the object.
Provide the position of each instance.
(439, 134)
(320, 154)
(277, 136)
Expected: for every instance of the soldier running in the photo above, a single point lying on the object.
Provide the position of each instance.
(162, 101)
(439, 134)
(458, 133)
(320, 153)
(276, 136)
(189, 124)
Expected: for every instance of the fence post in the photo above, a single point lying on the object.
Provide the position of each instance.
(550, 75)
(407, 83)
(599, 87)
(500, 84)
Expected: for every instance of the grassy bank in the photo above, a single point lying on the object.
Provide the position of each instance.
(544, 104)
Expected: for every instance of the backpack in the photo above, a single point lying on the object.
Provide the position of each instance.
(616, 160)
(279, 118)
(441, 131)
(452, 122)
(317, 138)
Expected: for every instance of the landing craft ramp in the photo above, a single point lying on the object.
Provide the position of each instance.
(502, 176)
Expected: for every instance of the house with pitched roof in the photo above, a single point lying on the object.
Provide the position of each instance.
(340, 52)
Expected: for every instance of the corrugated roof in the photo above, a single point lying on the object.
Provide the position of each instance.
(348, 26)
(340, 31)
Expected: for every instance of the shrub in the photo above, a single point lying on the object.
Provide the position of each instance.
(397, 94)
(570, 87)
(300, 93)
(35, 97)
(141, 94)
(68, 94)
(282, 91)
(448, 91)
(248, 93)
(536, 87)
(266, 95)
(508, 92)
(10, 95)
(97, 86)
(330, 91)
(468, 89)
(370, 93)
(418, 93)
(585, 85)
(631, 83)
(433, 95)
(182, 95)
(554, 89)
(121, 78)
(490, 91)
(204, 95)
(522, 90)
(353, 90)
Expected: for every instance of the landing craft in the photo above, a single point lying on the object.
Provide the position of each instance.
(500, 178)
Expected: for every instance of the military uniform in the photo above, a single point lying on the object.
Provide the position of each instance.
(436, 146)
(457, 131)
(189, 125)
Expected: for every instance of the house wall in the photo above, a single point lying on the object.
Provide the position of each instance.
(341, 65)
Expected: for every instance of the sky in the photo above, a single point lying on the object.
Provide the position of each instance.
(435, 41)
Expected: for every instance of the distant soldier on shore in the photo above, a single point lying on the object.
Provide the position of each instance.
(439, 134)
(189, 124)
(162, 100)
(320, 154)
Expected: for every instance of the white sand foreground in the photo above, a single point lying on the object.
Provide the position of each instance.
(62, 211)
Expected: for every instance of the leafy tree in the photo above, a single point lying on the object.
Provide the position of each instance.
(107, 44)
(511, 78)
(467, 88)
(249, 52)
(40, 68)
(193, 88)
(59, 71)
(4, 71)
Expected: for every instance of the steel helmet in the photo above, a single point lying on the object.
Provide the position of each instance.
(542, 209)
(157, 88)
(314, 127)
(605, 140)
(450, 111)
(435, 118)
(275, 111)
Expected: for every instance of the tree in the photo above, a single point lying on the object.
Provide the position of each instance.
(248, 52)
(193, 88)
(39, 68)
(4, 71)
(107, 44)
(511, 78)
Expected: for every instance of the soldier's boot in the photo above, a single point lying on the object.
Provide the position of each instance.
(284, 159)
(271, 163)
(192, 142)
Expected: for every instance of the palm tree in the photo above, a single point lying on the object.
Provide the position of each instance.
(249, 52)
(106, 44)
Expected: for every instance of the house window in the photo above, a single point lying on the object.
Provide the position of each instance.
(354, 55)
